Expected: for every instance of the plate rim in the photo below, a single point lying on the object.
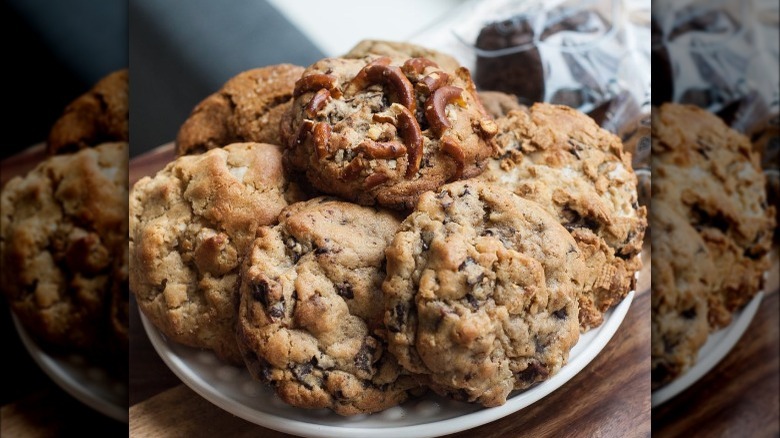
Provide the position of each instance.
(436, 428)
(50, 366)
(732, 334)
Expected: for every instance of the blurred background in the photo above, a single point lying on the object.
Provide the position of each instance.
(58, 50)
(722, 57)
(54, 52)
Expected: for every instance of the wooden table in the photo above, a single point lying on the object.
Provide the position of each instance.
(610, 397)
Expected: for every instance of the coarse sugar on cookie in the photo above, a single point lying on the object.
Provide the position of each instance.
(310, 317)
(481, 292)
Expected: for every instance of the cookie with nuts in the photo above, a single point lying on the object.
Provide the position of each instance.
(383, 130)
(98, 116)
(190, 225)
(709, 173)
(559, 158)
(481, 292)
(248, 108)
(63, 228)
(310, 316)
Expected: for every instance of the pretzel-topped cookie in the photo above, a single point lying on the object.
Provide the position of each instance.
(383, 130)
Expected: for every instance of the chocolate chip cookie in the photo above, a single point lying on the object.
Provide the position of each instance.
(310, 318)
(710, 175)
(98, 116)
(190, 225)
(481, 292)
(559, 158)
(383, 130)
(248, 108)
(62, 230)
(682, 276)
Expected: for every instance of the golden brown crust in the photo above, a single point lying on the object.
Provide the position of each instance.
(190, 225)
(248, 108)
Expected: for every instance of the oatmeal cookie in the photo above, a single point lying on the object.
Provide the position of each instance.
(190, 225)
(481, 292)
(248, 108)
(682, 273)
(710, 175)
(382, 130)
(62, 230)
(310, 318)
(98, 116)
(559, 158)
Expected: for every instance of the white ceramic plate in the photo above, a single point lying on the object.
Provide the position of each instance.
(86, 382)
(232, 389)
(718, 345)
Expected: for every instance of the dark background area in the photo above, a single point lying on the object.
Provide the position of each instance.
(57, 50)
(181, 51)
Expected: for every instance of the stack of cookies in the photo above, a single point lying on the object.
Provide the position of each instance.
(714, 232)
(63, 229)
(361, 230)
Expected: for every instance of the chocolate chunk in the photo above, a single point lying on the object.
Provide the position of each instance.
(345, 290)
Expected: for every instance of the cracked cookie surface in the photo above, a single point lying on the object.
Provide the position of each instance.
(98, 116)
(481, 292)
(710, 175)
(578, 172)
(248, 108)
(63, 227)
(190, 225)
(310, 316)
(382, 130)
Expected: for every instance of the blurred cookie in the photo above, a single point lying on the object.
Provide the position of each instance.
(98, 116)
(682, 276)
(248, 108)
(190, 224)
(62, 229)
(498, 104)
(578, 172)
(481, 292)
(396, 49)
(765, 136)
(381, 130)
(310, 318)
(709, 174)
